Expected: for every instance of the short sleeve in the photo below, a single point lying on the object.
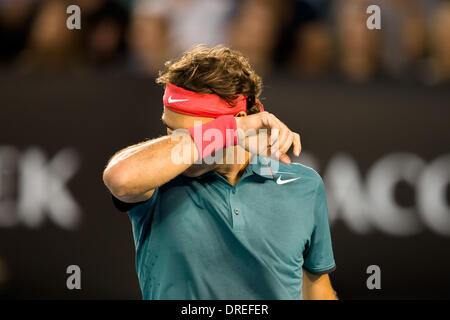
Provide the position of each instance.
(141, 215)
(139, 212)
(319, 258)
(135, 206)
(143, 208)
(124, 206)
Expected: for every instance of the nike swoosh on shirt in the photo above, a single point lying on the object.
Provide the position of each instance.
(279, 181)
(170, 100)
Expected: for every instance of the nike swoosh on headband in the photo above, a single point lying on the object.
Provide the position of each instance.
(170, 100)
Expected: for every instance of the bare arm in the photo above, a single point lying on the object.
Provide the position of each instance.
(317, 287)
(135, 172)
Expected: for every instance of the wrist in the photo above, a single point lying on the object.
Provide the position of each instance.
(214, 135)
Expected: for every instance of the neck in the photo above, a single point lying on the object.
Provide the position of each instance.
(233, 172)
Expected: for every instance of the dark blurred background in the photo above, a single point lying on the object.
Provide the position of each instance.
(372, 107)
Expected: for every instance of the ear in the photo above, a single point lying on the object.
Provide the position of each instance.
(241, 114)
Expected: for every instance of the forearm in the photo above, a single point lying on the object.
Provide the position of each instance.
(141, 168)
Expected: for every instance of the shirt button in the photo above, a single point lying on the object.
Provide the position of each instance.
(233, 191)
(236, 211)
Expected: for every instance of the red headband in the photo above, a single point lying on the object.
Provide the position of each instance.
(201, 105)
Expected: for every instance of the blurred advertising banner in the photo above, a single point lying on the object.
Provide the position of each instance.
(383, 150)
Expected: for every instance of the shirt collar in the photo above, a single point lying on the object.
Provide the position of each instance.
(258, 165)
(263, 167)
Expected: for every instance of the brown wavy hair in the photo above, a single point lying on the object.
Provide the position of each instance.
(219, 70)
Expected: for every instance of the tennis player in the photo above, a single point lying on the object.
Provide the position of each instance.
(218, 210)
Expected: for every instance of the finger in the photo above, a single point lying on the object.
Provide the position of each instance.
(276, 138)
(277, 155)
(278, 125)
(284, 137)
(297, 144)
(287, 143)
(285, 159)
(279, 134)
(281, 146)
(268, 123)
(276, 133)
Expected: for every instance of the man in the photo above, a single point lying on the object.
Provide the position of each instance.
(249, 224)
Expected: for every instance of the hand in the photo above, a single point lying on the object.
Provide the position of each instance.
(264, 134)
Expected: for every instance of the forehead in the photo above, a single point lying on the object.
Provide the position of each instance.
(176, 120)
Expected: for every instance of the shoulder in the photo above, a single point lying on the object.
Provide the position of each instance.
(310, 181)
(300, 170)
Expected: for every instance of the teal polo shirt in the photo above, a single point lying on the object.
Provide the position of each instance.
(202, 238)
